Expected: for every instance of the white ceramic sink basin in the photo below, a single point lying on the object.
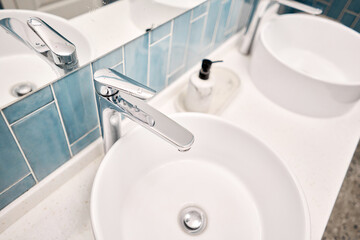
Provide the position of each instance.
(245, 190)
(20, 64)
(308, 64)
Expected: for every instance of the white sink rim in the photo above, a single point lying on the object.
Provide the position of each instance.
(294, 180)
(320, 19)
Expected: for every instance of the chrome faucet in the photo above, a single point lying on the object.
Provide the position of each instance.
(259, 11)
(120, 94)
(50, 45)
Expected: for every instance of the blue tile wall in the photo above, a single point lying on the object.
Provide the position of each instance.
(195, 44)
(200, 10)
(41, 132)
(85, 141)
(43, 141)
(110, 60)
(344, 11)
(160, 32)
(75, 96)
(17, 190)
(179, 42)
(12, 164)
(29, 104)
(158, 64)
(136, 58)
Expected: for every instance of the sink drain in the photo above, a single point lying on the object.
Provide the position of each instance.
(192, 220)
(22, 89)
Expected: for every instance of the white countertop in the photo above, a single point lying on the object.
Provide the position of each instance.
(318, 151)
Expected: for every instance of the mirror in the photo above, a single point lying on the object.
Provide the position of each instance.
(95, 27)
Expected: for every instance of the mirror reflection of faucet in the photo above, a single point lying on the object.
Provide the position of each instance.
(120, 94)
(49, 44)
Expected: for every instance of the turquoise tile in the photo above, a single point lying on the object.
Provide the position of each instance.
(12, 164)
(234, 15)
(158, 64)
(160, 32)
(199, 10)
(354, 6)
(195, 46)
(336, 8)
(109, 60)
(176, 75)
(357, 26)
(16, 191)
(211, 22)
(136, 59)
(28, 104)
(85, 141)
(220, 34)
(348, 19)
(179, 40)
(42, 139)
(119, 68)
(75, 95)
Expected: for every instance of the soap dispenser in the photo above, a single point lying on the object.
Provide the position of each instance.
(200, 89)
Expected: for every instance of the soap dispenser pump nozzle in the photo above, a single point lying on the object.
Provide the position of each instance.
(205, 68)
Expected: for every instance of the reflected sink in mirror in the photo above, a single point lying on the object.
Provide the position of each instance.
(21, 66)
(149, 13)
(307, 64)
(229, 185)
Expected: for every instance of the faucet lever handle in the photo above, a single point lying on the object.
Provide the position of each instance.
(119, 82)
(61, 49)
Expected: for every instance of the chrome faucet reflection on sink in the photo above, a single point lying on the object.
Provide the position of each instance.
(121, 94)
(50, 45)
(259, 11)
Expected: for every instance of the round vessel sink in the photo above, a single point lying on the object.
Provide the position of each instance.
(229, 185)
(307, 64)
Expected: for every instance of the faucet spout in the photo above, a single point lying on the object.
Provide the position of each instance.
(126, 96)
(50, 45)
(259, 11)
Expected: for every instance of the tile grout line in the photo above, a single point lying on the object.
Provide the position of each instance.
(355, 21)
(61, 121)
(123, 58)
(169, 53)
(330, 3)
(19, 146)
(148, 62)
(204, 27)
(229, 15)
(351, 12)
(96, 106)
(157, 41)
(229, 31)
(32, 113)
(84, 136)
(12, 185)
(213, 40)
(187, 42)
(115, 66)
(198, 17)
(176, 70)
(343, 10)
